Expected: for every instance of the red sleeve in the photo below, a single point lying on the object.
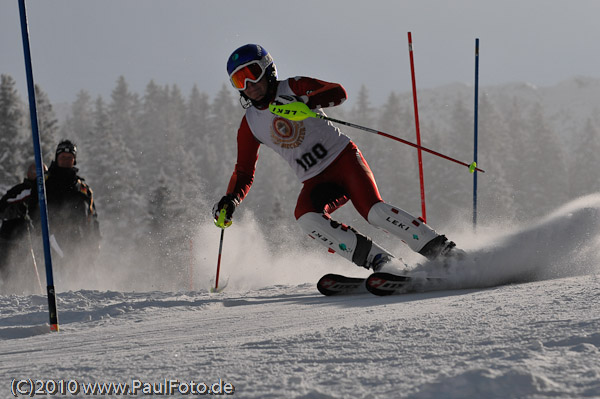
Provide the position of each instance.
(320, 94)
(243, 174)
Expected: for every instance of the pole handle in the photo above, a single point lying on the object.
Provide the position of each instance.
(296, 111)
(220, 222)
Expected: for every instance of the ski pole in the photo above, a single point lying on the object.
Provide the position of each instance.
(299, 111)
(220, 222)
(35, 268)
(216, 289)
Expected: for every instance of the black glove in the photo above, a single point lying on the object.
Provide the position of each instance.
(228, 202)
(287, 99)
(14, 211)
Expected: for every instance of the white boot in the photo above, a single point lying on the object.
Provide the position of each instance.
(344, 240)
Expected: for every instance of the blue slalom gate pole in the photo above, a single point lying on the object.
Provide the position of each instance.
(475, 131)
(39, 169)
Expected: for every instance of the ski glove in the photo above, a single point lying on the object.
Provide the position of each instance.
(228, 202)
(287, 99)
(14, 211)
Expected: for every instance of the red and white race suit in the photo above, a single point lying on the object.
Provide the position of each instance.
(331, 168)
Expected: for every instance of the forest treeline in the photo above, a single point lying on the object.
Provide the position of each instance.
(158, 160)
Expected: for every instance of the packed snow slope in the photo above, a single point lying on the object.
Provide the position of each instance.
(521, 320)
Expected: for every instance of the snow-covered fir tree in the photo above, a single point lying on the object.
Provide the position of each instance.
(11, 133)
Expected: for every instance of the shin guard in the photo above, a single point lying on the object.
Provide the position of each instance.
(413, 231)
(342, 239)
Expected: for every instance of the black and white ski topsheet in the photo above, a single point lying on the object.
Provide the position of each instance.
(336, 284)
(380, 284)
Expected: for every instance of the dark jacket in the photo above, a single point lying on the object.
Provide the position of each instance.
(19, 203)
(72, 216)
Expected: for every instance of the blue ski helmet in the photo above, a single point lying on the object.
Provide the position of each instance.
(250, 63)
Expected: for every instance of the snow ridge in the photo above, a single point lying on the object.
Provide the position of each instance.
(534, 336)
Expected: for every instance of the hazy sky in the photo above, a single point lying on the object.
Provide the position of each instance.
(88, 44)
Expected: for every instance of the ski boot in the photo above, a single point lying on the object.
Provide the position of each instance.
(378, 261)
(441, 248)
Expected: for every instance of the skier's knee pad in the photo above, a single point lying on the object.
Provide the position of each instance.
(413, 231)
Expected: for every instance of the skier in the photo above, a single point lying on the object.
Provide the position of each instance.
(72, 213)
(330, 166)
(18, 211)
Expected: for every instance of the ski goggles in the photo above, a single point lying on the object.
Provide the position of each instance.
(252, 72)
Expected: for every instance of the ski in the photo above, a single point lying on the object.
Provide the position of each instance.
(336, 284)
(378, 283)
(383, 284)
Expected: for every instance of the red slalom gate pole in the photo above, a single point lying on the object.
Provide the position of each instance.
(418, 129)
